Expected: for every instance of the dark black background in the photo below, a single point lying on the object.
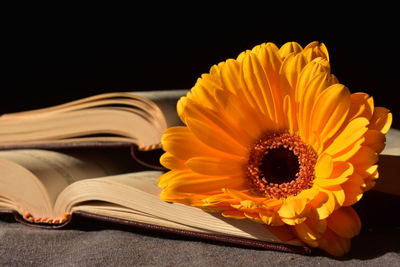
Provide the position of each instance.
(49, 61)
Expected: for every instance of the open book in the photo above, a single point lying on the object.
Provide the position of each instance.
(49, 187)
(136, 118)
(73, 160)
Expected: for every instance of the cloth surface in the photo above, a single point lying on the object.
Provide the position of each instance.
(21, 245)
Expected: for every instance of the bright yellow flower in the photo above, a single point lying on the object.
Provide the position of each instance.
(274, 137)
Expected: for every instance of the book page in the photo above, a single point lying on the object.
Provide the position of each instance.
(105, 122)
(134, 196)
(56, 170)
(107, 188)
(123, 115)
(22, 189)
(6, 204)
(166, 100)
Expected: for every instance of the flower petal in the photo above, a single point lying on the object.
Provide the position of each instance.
(253, 216)
(242, 91)
(171, 162)
(314, 88)
(235, 214)
(369, 181)
(230, 76)
(342, 144)
(180, 107)
(334, 244)
(362, 105)
(364, 158)
(246, 205)
(332, 181)
(309, 73)
(216, 166)
(183, 144)
(239, 114)
(202, 92)
(311, 231)
(214, 138)
(306, 235)
(221, 122)
(290, 115)
(381, 120)
(219, 199)
(184, 198)
(345, 222)
(234, 101)
(190, 182)
(289, 48)
(314, 50)
(375, 140)
(164, 179)
(323, 204)
(353, 189)
(268, 55)
(294, 210)
(324, 166)
(330, 111)
(338, 192)
(258, 86)
(291, 68)
(240, 195)
(270, 217)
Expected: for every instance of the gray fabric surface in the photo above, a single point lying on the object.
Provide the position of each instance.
(22, 245)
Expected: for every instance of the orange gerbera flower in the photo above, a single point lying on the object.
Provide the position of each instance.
(272, 136)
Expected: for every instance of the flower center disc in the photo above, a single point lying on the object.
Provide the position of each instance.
(281, 165)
